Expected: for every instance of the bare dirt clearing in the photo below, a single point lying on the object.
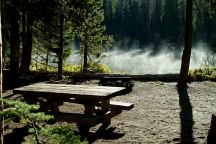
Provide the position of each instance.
(161, 114)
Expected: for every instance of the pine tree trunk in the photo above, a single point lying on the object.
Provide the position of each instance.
(2, 26)
(47, 60)
(27, 47)
(1, 96)
(183, 77)
(85, 59)
(61, 47)
(14, 44)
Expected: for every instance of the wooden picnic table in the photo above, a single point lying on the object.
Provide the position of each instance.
(96, 100)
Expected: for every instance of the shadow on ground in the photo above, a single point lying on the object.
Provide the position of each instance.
(107, 134)
(16, 137)
(186, 116)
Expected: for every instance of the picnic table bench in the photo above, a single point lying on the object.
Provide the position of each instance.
(98, 107)
(116, 81)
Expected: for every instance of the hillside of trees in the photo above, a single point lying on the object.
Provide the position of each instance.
(40, 33)
(157, 22)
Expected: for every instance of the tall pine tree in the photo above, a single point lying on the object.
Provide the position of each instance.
(90, 31)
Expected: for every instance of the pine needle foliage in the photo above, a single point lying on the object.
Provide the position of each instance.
(90, 29)
(40, 132)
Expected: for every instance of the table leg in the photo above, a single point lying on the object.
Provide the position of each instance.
(30, 99)
(89, 110)
(54, 107)
(105, 107)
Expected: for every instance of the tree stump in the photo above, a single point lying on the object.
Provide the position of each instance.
(211, 139)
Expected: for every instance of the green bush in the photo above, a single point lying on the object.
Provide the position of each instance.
(40, 132)
(26, 113)
(36, 66)
(98, 67)
(72, 69)
(204, 73)
(61, 133)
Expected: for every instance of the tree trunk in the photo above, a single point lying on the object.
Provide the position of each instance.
(85, 59)
(27, 47)
(61, 47)
(47, 60)
(3, 31)
(183, 77)
(1, 96)
(14, 44)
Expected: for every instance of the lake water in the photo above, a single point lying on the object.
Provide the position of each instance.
(137, 61)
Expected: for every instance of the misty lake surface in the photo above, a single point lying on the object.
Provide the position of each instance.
(144, 62)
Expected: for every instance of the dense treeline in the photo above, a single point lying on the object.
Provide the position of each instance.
(44, 30)
(157, 21)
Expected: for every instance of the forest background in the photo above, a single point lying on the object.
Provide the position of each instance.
(149, 27)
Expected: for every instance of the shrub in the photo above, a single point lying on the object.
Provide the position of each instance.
(204, 73)
(71, 69)
(98, 67)
(40, 131)
(61, 133)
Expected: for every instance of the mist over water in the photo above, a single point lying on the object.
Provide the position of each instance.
(137, 61)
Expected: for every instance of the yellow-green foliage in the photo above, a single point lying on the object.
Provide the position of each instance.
(93, 66)
(98, 67)
(36, 66)
(204, 73)
(71, 68)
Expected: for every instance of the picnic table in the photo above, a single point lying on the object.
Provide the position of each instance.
(117, 81)
(98, 107)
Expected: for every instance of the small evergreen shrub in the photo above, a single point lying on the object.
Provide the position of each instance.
(55, 134)
(40, 132)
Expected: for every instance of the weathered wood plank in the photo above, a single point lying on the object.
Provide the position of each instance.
(116, 78)
(57, 87)
(113, 104)
(64, 90)
(71, 87)
(80, 118)
(121, 105)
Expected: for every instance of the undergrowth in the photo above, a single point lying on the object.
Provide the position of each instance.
(95, 67)
(204, 73)
(40, 132)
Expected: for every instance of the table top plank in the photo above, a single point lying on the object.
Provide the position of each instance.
(72, 91)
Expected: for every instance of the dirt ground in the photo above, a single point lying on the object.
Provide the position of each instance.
(162, 114)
